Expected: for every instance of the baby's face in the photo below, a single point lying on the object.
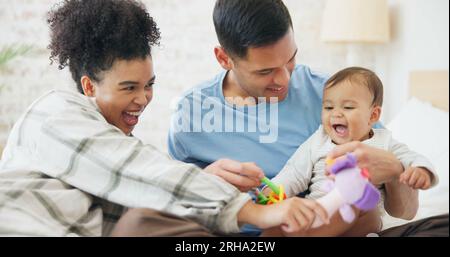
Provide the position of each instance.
(347, 112)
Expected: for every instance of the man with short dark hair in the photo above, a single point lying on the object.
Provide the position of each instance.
(261, 79)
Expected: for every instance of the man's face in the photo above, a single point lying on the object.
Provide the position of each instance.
(125, 91)
(266, 71)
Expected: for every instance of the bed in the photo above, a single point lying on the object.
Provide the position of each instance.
(423, 124)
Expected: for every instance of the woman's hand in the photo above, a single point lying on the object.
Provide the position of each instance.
(243, 175)
(293, 214)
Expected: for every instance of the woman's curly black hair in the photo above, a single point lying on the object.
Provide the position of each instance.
(89, 35)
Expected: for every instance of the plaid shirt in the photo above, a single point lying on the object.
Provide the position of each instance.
(67, 171)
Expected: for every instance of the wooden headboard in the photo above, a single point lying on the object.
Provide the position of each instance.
(431, 86)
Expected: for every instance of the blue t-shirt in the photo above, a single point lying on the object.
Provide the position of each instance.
(206, 128)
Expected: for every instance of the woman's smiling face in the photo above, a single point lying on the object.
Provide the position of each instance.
(123, 91)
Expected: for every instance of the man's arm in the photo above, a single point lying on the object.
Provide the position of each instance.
(401, 200)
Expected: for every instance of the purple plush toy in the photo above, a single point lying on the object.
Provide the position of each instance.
(351, 187)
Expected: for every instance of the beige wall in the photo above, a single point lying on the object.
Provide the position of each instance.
(185, 57)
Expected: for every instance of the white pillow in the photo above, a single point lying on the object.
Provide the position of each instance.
(425, 130)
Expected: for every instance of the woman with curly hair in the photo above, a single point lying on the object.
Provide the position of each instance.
(71, 165)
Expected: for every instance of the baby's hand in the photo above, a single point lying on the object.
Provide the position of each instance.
(416, 177)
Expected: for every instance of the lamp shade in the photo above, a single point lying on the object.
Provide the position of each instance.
(356, 21)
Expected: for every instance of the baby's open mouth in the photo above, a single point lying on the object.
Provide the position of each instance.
(341, 130)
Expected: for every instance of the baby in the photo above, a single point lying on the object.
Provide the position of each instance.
(352, 101)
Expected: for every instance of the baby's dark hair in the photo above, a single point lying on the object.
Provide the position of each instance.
(359, 76)
(89, 35)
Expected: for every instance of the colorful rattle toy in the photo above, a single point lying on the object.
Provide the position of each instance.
(351, 187)
(277, 194)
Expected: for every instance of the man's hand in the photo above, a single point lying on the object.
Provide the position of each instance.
(243, 175)
(416, 177)
(384, 168)
(382, 165)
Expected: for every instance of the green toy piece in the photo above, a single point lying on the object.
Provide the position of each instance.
(270, 184)
(277, 194)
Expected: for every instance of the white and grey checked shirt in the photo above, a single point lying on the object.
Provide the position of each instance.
(66, 171)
